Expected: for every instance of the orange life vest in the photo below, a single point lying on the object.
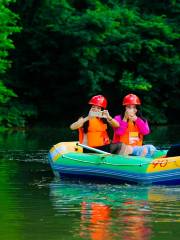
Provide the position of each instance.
(97, 135)
(132, 136)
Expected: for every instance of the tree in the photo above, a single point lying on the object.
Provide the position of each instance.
(111, 47)
(10, 114)
(121, 44)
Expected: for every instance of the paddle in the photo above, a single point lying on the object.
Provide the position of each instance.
(92, 149)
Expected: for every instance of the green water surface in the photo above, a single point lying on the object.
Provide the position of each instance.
(34, 205)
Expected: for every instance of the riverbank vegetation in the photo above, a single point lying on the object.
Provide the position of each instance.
(55, 55)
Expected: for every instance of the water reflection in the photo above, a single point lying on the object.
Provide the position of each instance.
(34, 139)
(116, 211)
(100, 221)
(35, 207)
(44, 137)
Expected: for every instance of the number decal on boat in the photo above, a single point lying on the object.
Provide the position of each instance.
(160, 162)
(163, 162)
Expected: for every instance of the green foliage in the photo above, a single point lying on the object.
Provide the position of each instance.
(132, 84)
(11, 113)
(118, 36)
(108, 46)
(5, 94)
(15, 114)
(7, 27)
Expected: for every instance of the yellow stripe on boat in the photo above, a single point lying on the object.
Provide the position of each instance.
(163, 164)
(64, 147)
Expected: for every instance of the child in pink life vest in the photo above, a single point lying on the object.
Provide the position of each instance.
(130, 127)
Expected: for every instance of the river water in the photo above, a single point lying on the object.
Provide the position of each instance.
(36, 205)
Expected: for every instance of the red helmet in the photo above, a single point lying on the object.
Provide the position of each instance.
(131, 99)
(98, 100)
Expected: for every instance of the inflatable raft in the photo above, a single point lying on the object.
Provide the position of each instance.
(68, 160)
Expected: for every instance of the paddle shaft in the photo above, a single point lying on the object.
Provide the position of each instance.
(92, 149)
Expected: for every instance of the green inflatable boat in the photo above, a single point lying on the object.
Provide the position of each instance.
(68, 160)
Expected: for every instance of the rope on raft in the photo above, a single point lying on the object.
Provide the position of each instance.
(113, 164)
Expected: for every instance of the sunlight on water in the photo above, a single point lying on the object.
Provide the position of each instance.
(26, 156)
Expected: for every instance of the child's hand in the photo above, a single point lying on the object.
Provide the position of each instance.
(133, 118)
(131, 115)
(105, 114)
(126, 116)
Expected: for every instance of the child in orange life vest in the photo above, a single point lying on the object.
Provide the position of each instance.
(93, 128)
(130, 127)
